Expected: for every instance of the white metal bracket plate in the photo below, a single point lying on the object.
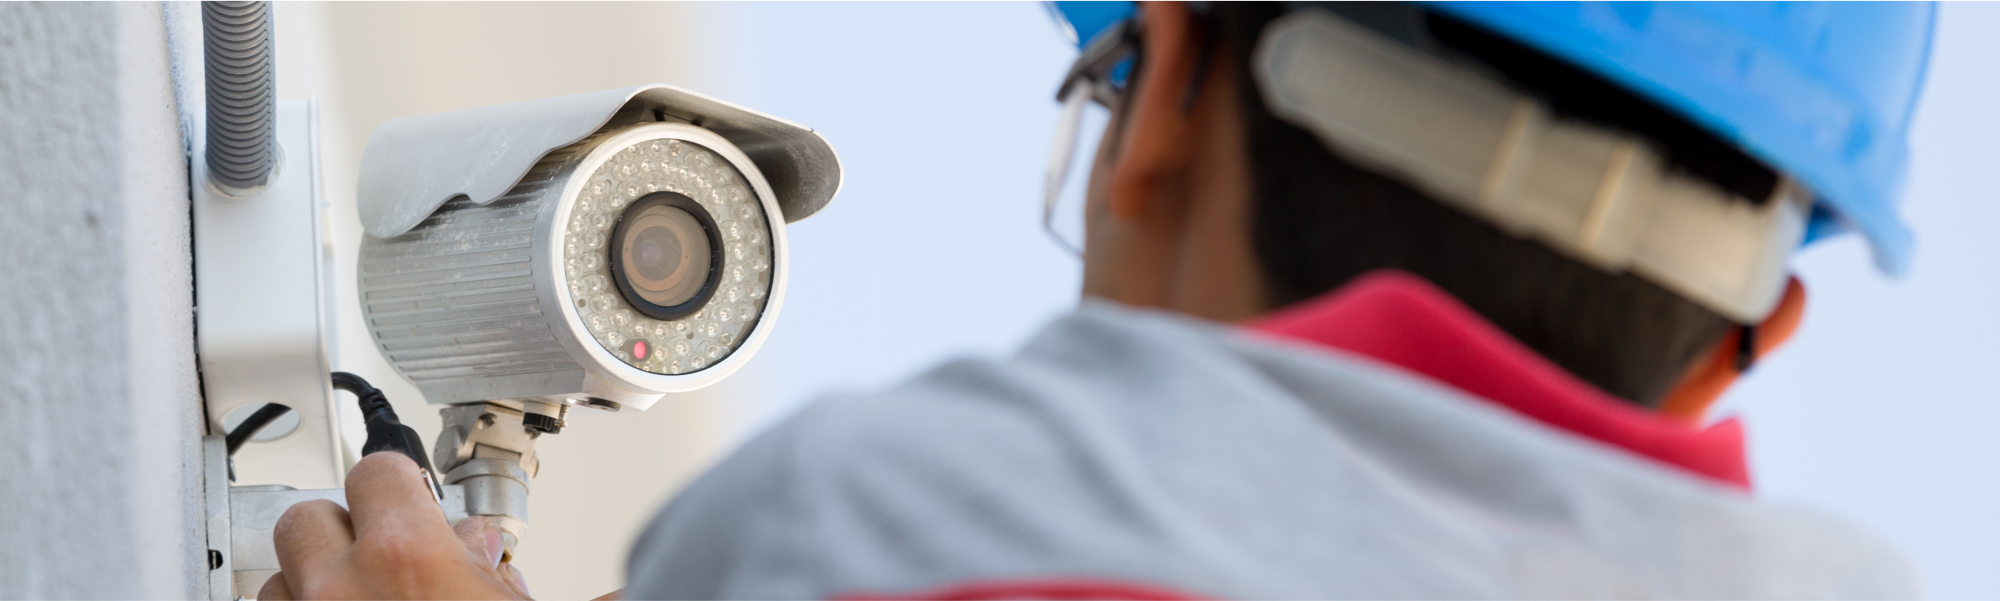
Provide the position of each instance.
(260, 283)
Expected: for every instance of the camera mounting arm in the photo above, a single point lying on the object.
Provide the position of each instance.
(488, 450)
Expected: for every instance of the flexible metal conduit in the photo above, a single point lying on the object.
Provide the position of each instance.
(241, 69)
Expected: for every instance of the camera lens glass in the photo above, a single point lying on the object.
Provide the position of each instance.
(664, 251)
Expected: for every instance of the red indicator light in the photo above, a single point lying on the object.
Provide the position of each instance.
(639, 349)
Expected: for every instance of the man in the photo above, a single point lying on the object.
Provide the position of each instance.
(1383, 300)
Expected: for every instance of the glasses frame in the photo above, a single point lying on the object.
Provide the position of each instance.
(1093, 77)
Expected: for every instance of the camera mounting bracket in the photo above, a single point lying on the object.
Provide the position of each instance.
(263, 313)
(263, 306)
(241, 552)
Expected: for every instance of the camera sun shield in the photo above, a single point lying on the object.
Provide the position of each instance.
(413, 165)
(646, 257)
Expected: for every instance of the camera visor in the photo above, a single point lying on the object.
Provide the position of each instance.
(665, 252)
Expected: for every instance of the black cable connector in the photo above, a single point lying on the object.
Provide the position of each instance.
(385, 431)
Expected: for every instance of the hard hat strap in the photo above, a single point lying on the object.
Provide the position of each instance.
(1601, 196)
(1746, 348)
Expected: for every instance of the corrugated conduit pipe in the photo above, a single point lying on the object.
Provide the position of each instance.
(241, 69)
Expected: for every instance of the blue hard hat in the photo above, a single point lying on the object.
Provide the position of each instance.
(1822, 91)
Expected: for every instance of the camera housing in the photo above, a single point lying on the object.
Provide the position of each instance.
(598, 250)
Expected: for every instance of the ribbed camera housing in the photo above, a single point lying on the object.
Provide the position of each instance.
(520, 298)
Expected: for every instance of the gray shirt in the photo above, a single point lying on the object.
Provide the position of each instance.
(1143, 447)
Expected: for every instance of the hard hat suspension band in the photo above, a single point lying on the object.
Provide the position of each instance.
(1601, 196)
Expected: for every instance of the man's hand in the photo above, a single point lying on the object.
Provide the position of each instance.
(391, 543)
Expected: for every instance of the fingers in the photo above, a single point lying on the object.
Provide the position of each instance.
(518, 581)
(611, 596)
(386, 492)
(391, 542)
(482, 539)
(275, 589)
(310, 536)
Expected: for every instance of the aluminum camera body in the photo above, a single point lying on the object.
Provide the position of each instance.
(598, 250)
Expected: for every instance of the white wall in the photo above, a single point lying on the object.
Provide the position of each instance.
(100, 493)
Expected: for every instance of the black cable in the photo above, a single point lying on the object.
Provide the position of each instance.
(263, 417)
(385, 431)
(371, 400)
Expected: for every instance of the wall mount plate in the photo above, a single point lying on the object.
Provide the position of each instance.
(262, 307)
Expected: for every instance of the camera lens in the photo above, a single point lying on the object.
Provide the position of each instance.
(656, 253)
(665, 255)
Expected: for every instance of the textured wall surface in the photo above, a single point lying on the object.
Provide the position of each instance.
(101, 472)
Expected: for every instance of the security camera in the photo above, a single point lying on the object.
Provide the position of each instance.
(594, 251)
(597, 250)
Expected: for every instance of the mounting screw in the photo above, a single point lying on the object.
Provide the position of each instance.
(486, 420)
(536, 422)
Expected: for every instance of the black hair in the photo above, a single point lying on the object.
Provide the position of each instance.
(1320, 220)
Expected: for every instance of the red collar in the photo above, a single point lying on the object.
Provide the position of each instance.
(1400, 319)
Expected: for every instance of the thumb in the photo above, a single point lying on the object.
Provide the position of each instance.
(482, 540)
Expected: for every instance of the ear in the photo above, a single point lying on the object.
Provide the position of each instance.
(1710, 377)
(1155, 128)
